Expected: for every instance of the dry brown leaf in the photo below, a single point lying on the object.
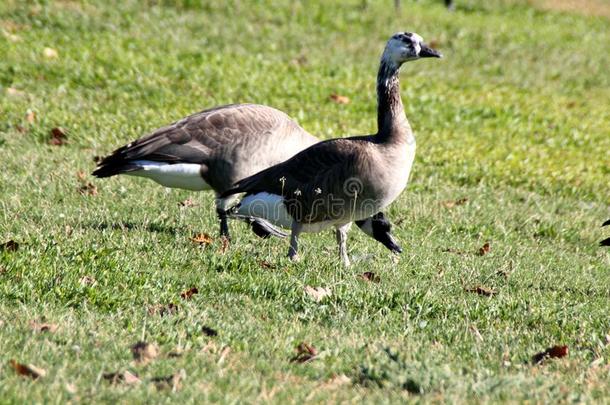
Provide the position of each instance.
(266, 265)
(453, 203)
(339, 99)
(188, 294)
(43, 327)
(9, 246)
(162, 310)
(305, 353)
(173, 382)
(27, 370)
(21, 129)
(30, 116)
(143, 352)
(122, 377)
(88, 189)
(483, 250)
(488, 292)
(187, 203)
(209, 331)
(555, 352)
(87, 281)
(50, 53)
(317, 293)
(58, 137)
(202, 239)
(370, 276)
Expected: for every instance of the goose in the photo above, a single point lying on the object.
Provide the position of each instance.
(214, 148)
(335, 182)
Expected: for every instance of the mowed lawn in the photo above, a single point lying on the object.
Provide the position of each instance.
(513, 133)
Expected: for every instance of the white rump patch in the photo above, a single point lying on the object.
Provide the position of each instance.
(179, 175)
(267, 206)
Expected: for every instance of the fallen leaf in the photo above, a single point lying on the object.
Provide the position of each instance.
(43, 327)
(188, 294)
(88, 189)
(370, 276)
(266, 265)
(317, 293)
(27, 370)
(58, 136)
(50, 53)
(87, 281)
(209, 331)
(453, 203)
(143, 352)
(339, 99)
(9, 246)
(202, 239)
(555, 352)
(162, 310)
(30, 116)
(483, 250)
(21, 129)
(122, 377)
(488, 292)
(305, 353)
(187, 203)
(173, 382)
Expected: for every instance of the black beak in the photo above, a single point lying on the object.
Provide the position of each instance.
(427, 52)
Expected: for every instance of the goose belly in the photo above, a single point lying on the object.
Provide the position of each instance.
(267, 206)
(271, 208)
(179, 175)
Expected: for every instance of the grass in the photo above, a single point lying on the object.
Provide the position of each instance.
(515, 119)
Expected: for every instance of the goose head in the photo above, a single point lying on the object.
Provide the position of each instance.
(407, 46)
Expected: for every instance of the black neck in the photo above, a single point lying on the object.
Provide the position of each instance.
(392, 123)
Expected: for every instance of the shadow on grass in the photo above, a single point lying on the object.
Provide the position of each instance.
(131, 226)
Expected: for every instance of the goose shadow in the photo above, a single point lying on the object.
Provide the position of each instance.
(131, 226)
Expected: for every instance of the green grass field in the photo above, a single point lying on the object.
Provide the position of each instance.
(515, 119)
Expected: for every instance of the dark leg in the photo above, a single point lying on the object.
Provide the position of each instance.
(224, 225)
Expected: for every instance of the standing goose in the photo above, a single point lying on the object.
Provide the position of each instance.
(213, 149)
(338, 181)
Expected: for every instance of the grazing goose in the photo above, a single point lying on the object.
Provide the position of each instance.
(335, 182)
(213, 149)
(605, 242)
